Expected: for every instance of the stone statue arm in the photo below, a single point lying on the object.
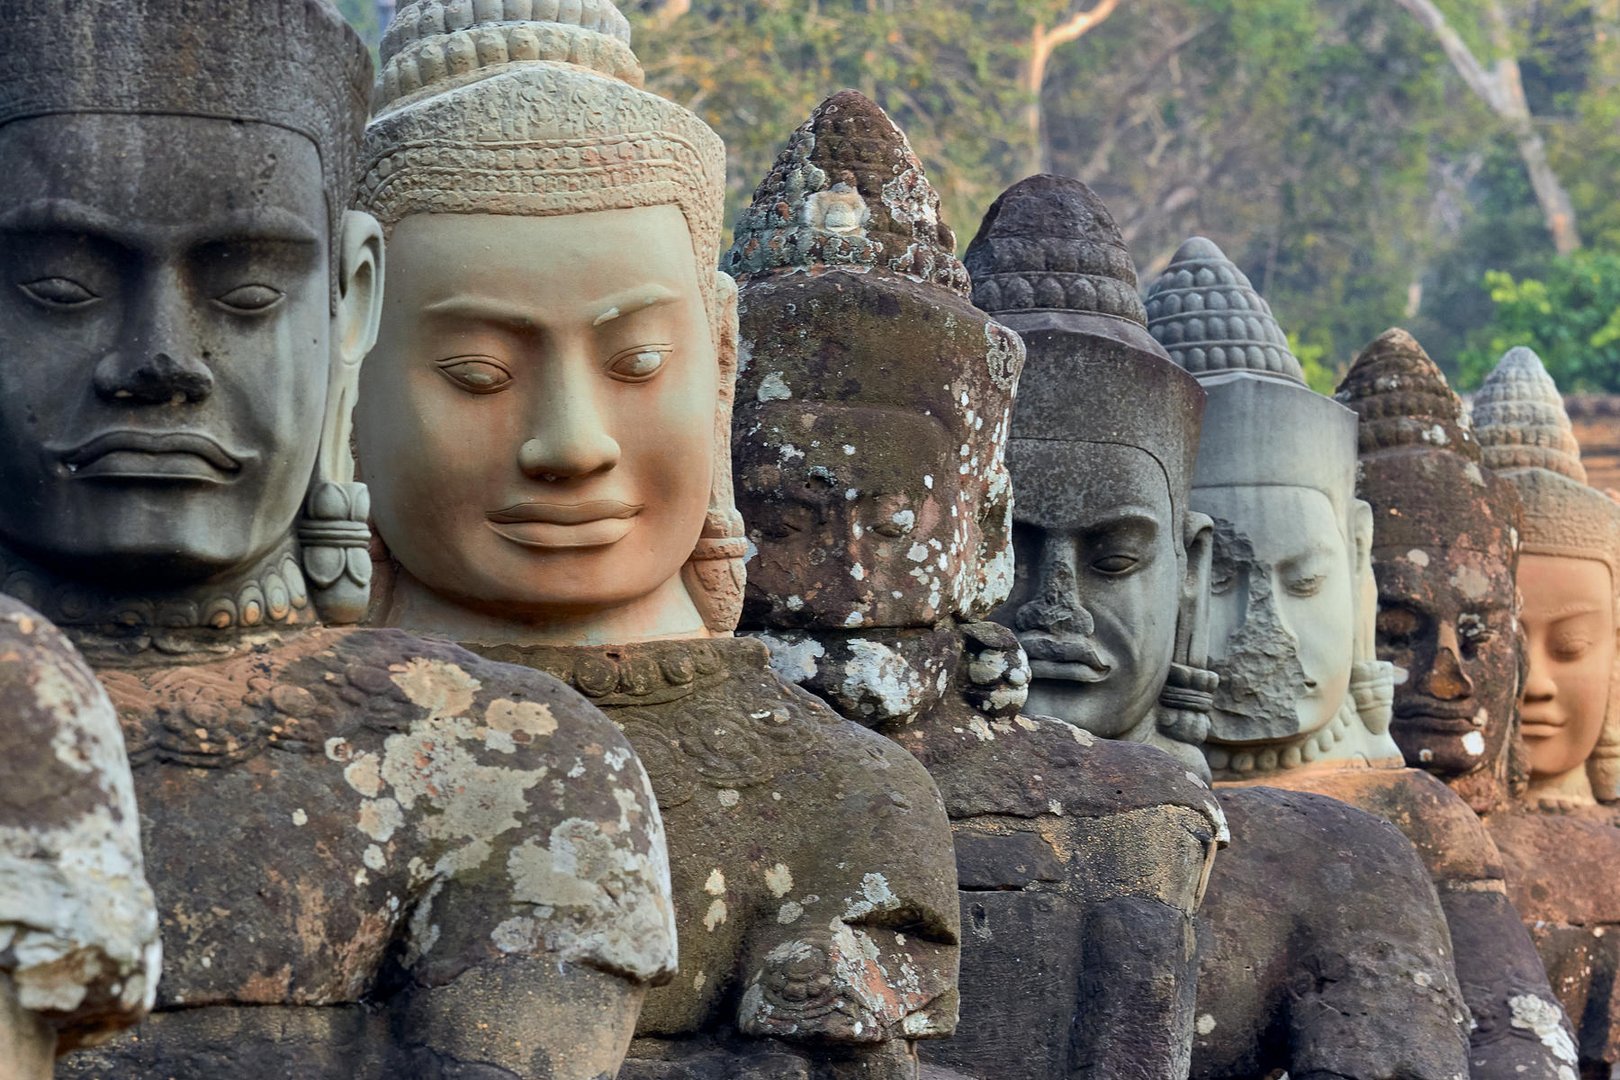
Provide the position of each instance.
(79, 950)
(530, 948)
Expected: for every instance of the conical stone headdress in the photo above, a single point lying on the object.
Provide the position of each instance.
(1525, 435)
(534, 108)
(1050, 262)
(1262, 425)
(1421, 466)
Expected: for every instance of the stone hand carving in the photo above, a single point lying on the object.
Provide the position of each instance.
(546, 429)
(372, 855)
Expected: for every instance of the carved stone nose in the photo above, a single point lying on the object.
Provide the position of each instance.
(156, 379)
(1446, 680)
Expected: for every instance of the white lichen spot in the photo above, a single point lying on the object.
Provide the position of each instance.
(779, 879)
(981, 730)
(1471, 582)
(858, 572)
(443, 689)
(876, 895)
(530, 718)
(1418, 557)
(1204, 1024)
(795, 603)
(928, 482)
(789, 913)
(772, 388)
(849, 451)
(1054, 807)
(729, 797)
(917, 553)
(1425, 755)
(881, 680)
(374, 857)
(715, 916)
(854, 619)
(1423, 979)
(1544, 1019)
(794, 659)
(716, 885)
(300, 818)
(1474, 743)
(699, 979)
(364, 774)
(380, 819)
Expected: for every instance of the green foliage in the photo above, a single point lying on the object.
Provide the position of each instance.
(1571, 318)
(1321, 377)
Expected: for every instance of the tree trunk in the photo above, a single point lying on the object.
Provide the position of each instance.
(1043, 43)
(1503, 93)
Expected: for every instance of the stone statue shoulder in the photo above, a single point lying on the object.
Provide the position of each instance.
(1560, 865)
(77, 919)
(1452, 840)
(465, 810)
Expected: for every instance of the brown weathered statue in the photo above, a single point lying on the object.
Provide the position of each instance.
(1110, 598)
(870, 439)
(373, 855)
(546, 421)
(1445, 546)
(79, 953)
(1561, 840)
(1304, 701)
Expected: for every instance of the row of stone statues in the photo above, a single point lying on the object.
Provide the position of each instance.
(1023, 565)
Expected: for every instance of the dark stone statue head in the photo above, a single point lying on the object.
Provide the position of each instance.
(1445, 545)
(185, 298)
(1112, 566)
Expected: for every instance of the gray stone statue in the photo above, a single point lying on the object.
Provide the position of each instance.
(79, 953)
(373, 855)
(871, 435)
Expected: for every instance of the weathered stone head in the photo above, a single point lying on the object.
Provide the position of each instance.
(546, 418)
(1113, 567)
(872, 411)
(186, 295)
(1445, 544)
(1293, 596)
(79, 950)
(1567, 579)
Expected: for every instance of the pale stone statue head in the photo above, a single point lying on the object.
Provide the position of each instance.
(545, 421)
(871, 422)
(1112, 566)
(186, 298)
(1445, 545)
(1293, 599)
(1567, 579)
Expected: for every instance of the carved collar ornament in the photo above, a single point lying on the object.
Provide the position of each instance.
(1526, 437)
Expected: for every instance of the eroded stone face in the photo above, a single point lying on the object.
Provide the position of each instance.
(870, 456)
(1098, 579)
(536, 422)
(1446, 621)
(1569, 624)
(163, 340)
(1281, 612)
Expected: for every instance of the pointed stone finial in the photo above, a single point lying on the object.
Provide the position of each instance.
(1207, 315)
(1520, 421)
(847, 191)
(1048, 243)
(1403, 400)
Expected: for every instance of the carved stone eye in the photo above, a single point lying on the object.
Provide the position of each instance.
(1115, 564)
(639, 365)
(476, 374)
(250, 299)
(59, 292)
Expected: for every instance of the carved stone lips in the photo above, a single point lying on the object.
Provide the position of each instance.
(1439, 716)
(1067, 659)
(172, 455)
(564, 513)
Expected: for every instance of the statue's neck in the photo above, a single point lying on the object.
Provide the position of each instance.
(1568, 789)
(270, 592)
(667, 613)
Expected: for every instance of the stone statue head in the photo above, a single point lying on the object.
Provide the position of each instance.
(871, 423)
(545, 421)
(1567, 580)
(1293, 598)
(1445, 544)
(1112, 566)
(187, 297)
(874, 398)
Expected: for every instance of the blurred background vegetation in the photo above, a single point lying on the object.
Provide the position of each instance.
(1445, 165)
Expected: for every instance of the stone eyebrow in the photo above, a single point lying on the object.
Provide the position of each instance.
(61, 215)
(631, 301)
(264, 223)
